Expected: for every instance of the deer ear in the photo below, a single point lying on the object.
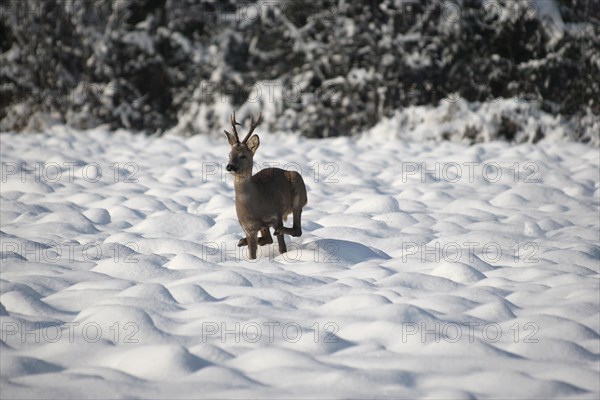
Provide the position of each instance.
(253, 143)
(231, 139)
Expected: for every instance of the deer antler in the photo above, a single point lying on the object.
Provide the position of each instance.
(253, 126)
(233, 124)
(235, 132)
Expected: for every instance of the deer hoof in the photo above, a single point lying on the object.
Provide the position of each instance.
(264, 241)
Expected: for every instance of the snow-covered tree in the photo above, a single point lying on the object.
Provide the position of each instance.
(325, 68)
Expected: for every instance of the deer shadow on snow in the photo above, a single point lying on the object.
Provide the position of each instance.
(335, 251)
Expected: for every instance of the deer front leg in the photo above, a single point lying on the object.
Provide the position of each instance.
(251, 238)
(281, 242)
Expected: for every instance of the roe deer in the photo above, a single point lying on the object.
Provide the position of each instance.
(266, 199)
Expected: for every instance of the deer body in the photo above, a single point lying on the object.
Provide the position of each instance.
(263, 200)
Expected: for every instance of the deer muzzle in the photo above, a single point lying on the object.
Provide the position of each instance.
(231, 168)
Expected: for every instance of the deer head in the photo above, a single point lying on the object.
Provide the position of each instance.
(242, 153)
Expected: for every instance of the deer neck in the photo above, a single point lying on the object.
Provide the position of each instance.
(242, 180)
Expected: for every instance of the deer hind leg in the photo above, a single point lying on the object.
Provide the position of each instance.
(279, 228)
(296, 229)
(265, 238)
(297, 204)
(299, 201)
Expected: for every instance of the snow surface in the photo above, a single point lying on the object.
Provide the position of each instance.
(424, 270)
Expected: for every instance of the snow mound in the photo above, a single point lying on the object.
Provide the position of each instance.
(156, 363)
(458, 272)
(410, 280)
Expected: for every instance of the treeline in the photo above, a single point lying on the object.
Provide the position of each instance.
(324, 68)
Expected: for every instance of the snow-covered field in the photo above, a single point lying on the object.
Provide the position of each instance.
(424, 270)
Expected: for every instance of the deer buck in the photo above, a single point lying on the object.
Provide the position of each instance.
(265, 199)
